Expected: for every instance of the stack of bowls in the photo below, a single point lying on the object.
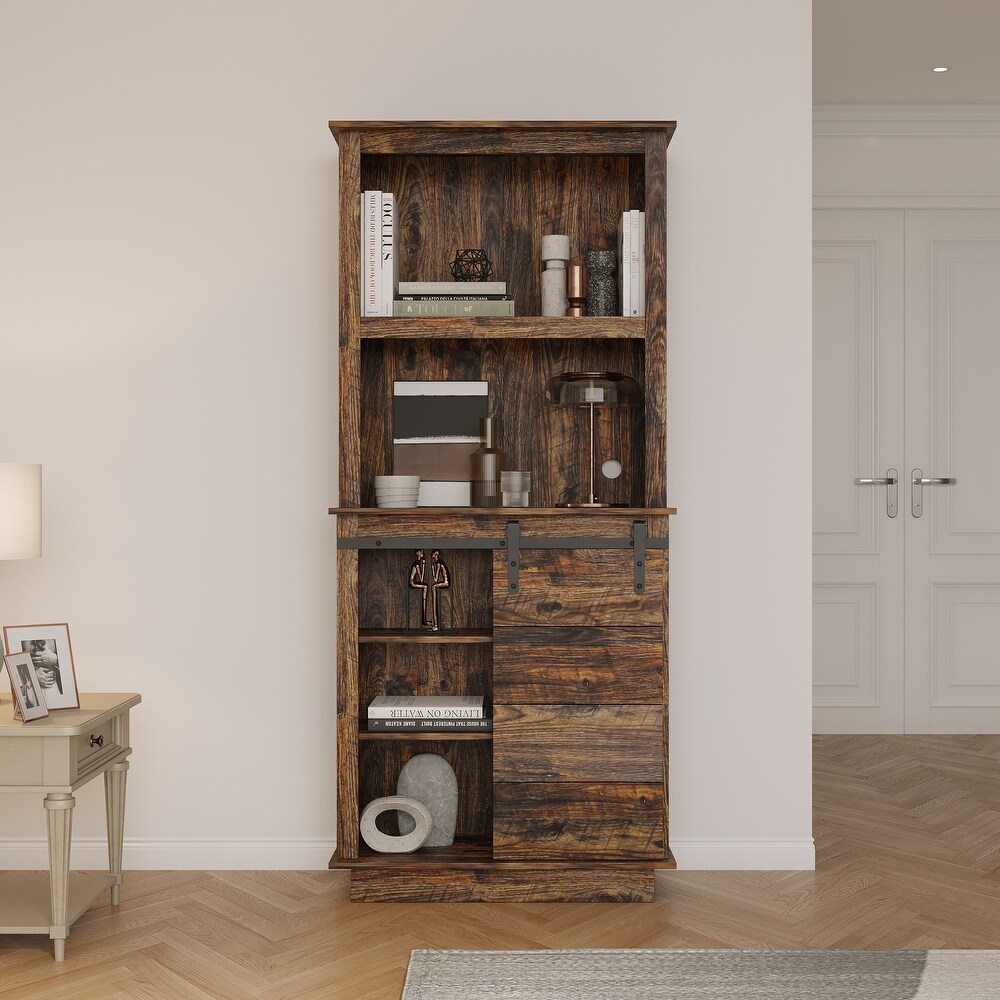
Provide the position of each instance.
(397, 491)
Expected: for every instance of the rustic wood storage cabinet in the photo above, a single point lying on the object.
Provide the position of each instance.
(557, 616)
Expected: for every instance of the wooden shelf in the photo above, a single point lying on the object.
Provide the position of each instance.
(460, 636)
(503, 327)
(509, 513)
(474, 852)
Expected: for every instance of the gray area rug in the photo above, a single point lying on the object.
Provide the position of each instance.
(667, 974)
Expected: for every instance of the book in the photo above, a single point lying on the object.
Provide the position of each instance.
(403, 307)
(408, 706)
(371, 288)
(453, 287)
(624, 254)
(642, 263)
(451, 298)
(633, 264)
(430, 725)
(389, 253)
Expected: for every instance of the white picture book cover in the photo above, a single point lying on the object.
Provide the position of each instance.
(400, 706)
(389, 254)
(371, 270)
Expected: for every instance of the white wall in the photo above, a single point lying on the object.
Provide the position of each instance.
(168, 328)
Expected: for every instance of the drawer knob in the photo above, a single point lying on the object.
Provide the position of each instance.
(97, 741)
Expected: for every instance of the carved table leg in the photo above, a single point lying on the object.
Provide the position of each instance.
(59, 817)
(114, 801)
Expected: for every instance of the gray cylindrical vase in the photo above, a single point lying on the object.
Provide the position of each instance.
(555, 254)
(602, 287)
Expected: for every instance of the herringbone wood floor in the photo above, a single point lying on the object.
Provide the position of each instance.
(908, 845)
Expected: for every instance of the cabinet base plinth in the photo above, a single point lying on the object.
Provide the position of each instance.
(500, 885)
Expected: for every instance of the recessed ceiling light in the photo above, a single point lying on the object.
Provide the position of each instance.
(940, 69)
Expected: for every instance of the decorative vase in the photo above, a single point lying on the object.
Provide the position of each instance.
(602, 290)
(555, 254)
(487, 462)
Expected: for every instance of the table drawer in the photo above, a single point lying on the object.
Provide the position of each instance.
(578, 665)
(554, 821)
(578, 743)
(578, 587)
(93, 745)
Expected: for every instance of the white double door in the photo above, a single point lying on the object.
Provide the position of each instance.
(906, 383)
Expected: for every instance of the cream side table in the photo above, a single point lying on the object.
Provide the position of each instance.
(55, 756)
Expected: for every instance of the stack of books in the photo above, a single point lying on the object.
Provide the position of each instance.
(379, 253)
(453, 298)
(632, 275)
(428, 714)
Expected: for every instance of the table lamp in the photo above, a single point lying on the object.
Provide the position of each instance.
(20, 511)
(592, 390)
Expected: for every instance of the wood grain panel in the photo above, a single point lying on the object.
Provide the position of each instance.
(504, 204)
(423, 669)
(656, 317)
(347, 700)
(578, 743)
(552, 442)
(578, 587)
(502, 885)
(386, 600)
(350, 317)
(477, 142)
(556, 820)
(503, 327)
(578, 666)
(380, 761)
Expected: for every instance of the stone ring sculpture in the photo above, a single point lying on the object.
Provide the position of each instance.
(385, 843)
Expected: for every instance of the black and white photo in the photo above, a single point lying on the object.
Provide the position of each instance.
(25, 686)
(51, 655)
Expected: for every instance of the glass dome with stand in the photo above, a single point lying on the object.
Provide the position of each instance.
(592, 391)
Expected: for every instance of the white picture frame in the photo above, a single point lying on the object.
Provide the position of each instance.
(52, 657)
(29, 701)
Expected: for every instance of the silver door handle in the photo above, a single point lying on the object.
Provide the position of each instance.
(890, 479)
(917, 484)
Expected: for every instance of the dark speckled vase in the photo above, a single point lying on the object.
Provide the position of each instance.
(602, 291)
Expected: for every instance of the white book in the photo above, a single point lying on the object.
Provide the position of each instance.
(371, 294)
(398, 706)
(440, 388)
(633, 264)
(642, 263)
(389, 253)
(453, 288)
(624, 246)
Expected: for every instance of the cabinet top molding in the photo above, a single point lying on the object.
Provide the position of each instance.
(502, 138)
(337, 127)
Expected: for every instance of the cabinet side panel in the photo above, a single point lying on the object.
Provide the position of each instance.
(656, 318)
(347, 703)
(350, 318)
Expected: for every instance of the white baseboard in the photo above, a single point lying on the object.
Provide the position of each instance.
(706, 854)
(91, 853)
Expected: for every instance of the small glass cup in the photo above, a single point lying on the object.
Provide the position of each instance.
(515, 488)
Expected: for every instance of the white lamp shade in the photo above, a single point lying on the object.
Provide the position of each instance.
(20, 511)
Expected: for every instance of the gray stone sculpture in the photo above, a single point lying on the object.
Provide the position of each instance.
(419, 827)
(430, 779)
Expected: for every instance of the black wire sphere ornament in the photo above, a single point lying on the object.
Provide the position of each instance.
(471, 265)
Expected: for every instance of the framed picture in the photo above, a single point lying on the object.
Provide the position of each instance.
(27, 690)
(52, 657)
